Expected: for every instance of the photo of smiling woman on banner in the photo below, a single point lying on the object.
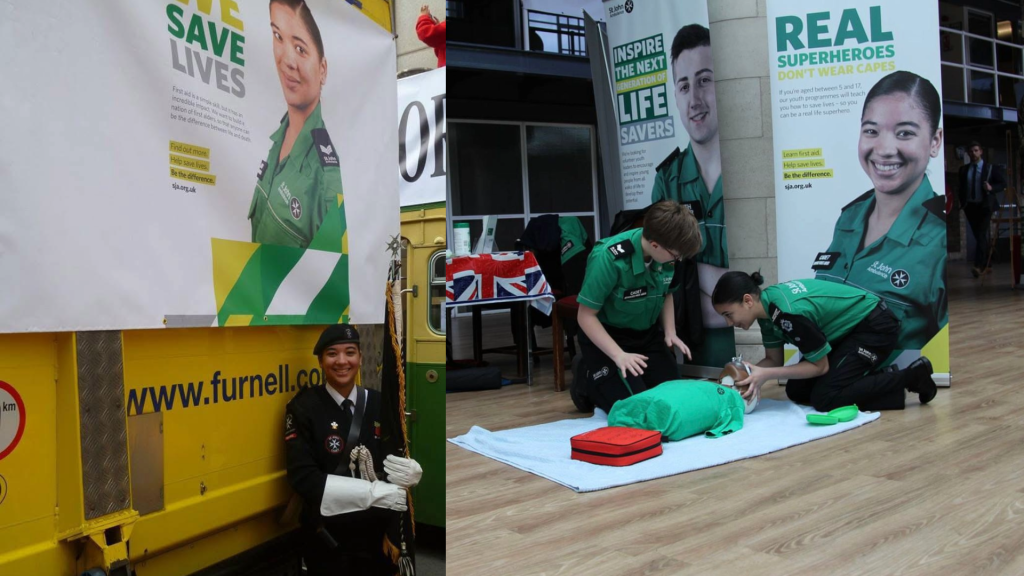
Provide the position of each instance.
(300, 181)
(891, 241)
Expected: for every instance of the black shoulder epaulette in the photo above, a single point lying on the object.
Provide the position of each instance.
(324, 148)
(936, 206)
(304, 395)
(861, 198)
(621, 249)
(671, 158)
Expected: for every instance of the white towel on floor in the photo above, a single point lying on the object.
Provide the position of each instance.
(545, 451)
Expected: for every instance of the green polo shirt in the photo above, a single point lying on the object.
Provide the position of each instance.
(906, 266)
(574, 236)
(811, 314)
(293, 196)
(678, 178)
(625, 291)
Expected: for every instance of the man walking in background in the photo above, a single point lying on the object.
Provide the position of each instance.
(980, 183)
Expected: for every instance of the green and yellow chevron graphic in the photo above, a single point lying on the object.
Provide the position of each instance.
(263, 285)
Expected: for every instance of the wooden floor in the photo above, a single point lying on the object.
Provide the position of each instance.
(934, 490)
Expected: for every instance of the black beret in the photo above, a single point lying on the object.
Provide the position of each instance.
(336, 334)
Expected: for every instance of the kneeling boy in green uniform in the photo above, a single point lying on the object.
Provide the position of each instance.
(624, 348)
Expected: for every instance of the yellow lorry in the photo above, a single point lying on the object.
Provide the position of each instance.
(159, 452)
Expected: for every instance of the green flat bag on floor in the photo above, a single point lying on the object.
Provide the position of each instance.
(682, 408)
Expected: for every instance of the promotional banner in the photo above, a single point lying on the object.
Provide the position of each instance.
(667, 117)
(857, 121)
(200, 163)
(422, 135)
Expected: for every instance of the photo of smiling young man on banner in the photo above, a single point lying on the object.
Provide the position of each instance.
(693, 177)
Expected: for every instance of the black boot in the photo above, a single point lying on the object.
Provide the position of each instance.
(919, 379)
(577, 386)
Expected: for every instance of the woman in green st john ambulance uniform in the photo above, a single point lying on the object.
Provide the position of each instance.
(891, 241)
(301, 179)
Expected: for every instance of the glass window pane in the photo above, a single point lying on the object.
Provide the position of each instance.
(983, 89)
(1007, 99)
(435, 318)
(486, 169)
(951, 47)
(1008, 58)
(492, 23)
(953, 83)
(439, 270)
(951, 16)
(980, 52)
(507, 231)
(560, 169)
(979, 23)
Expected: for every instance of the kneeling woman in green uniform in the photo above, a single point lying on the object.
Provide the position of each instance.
(624, 349)
(843, 333)
(300, 181)
(891, 241)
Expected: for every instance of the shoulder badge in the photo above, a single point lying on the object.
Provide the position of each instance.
(621, 249)
(324, 148)
(668, 160)
(291, 425)
(936, 206)
(825, 260)
(861, 198)
(263, 170)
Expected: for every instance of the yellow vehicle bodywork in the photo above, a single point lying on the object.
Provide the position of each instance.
(202, 435)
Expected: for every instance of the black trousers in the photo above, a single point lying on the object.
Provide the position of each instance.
(979, 216)
(852, 376)
(366, 559)
(605, 386)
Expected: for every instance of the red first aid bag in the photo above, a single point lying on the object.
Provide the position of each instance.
(616, 446)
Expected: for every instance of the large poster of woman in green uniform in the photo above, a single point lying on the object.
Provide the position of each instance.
(857, 120)
(669, 139)
(201, 154)
(300, 180)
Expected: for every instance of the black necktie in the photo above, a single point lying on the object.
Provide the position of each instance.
(346, 418)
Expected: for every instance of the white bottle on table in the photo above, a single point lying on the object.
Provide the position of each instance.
(461, 230)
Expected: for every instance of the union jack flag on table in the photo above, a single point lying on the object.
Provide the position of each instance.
(500, 277)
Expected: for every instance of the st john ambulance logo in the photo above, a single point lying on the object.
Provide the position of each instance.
(899, 279)
(296, 207)
(334, 444)
(629, 6)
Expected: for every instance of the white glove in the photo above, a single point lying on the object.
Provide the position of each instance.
(404, 472)
(343, 495)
